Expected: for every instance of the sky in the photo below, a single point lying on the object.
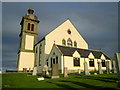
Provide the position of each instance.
(97, 22)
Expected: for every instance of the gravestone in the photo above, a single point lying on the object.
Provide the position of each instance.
(55, 71)
(45, 71)
(114, 66)
(107, 67)
(34, 71)
(65, 72)
(29, 69)
(41, 78)
(100, 68)
(79, 72)
(117, 55)
(86, 69)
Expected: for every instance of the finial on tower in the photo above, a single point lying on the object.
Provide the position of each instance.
(30, 11)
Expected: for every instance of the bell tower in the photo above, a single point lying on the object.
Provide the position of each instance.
(28, 38)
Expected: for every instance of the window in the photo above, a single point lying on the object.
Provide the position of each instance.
(75, 44)
(76, 61)
(28, 26)
(103, 63)
(47, 62)
(32, 27)
(69, 42)
(56, 59)
(51, 62)
(63, 42)
(91, 62)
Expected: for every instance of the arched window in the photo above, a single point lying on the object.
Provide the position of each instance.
(28, 26)
(75, 44)
(69, 42)
(32, 27)
(63, 42)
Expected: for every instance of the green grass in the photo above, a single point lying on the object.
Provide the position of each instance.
(24, 80)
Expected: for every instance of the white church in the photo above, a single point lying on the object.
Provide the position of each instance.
(63, 46)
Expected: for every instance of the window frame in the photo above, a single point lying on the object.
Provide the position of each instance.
(76, 61)
(63, 42)
(32, 27)
(28, 26)
(75, 44)
(91, 63)
(69, 42)
(103, 63)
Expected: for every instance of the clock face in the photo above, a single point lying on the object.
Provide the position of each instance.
(29, 41)
(69, 32)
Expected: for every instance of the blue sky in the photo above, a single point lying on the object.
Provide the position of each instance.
(97, 23)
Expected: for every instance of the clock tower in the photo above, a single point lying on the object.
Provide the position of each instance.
(28, 38)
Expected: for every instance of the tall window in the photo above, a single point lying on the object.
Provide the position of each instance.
(32, 27)
(56, 59)
(91, 62)
(63, 42)
(76, 61)
(51, 62)
(75, 44)
(103, 63)
(28, 26)
(69, 42)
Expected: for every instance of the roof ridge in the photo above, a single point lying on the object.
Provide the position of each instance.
(79, 48)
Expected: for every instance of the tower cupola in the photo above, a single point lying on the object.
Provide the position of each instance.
(30, 11)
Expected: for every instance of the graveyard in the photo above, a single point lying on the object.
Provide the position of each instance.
(75, 80)
(95, 80)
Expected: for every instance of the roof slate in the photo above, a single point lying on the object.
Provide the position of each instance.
(68, 51)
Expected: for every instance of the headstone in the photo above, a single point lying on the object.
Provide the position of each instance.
(45, 71)
(34, 71)
(117, 55)
(79, 72)
(65, 72)
(107, 67)
(95, 73)
(86, 68)
(100, 68)
(29, 69)
(24, 69)
(55, 71)
(114, 66)
(39, 79)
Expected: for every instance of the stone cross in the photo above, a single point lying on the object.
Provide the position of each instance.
(55, 71)
(117, 55)
(65, 72)
(100, 68)
(45, 71)
(86, 68)
(107, 67)
(34, 71)
(114, 66)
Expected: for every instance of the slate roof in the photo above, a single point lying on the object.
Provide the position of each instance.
(68, 51)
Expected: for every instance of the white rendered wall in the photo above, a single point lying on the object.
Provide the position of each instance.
(26, 60)
(60, 33)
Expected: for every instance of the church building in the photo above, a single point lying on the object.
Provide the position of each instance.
(63, 46)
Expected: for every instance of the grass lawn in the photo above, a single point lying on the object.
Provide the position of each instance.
(26, 80)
